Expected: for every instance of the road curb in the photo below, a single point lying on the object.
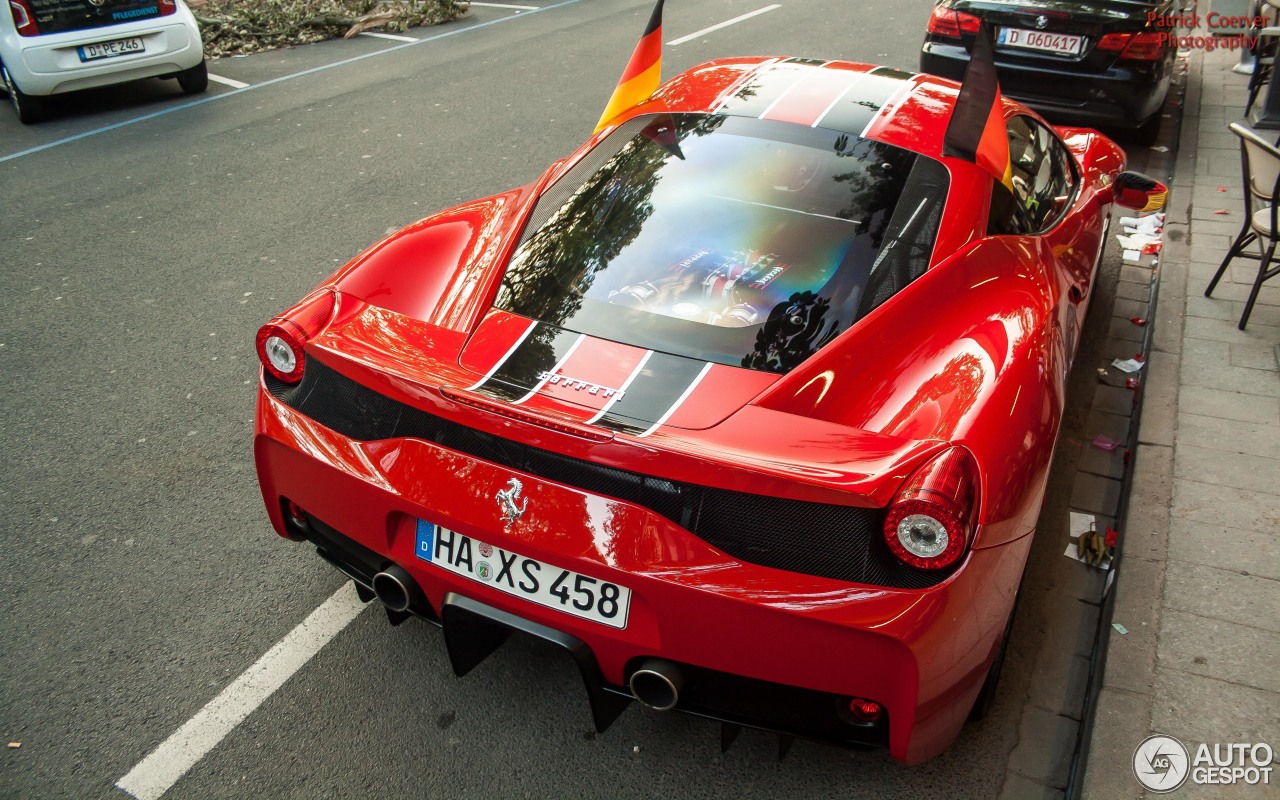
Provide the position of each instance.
(1121, 693)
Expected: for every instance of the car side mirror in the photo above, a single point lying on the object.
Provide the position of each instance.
(1139, 192)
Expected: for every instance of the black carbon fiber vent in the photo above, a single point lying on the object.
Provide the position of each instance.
(829, 541)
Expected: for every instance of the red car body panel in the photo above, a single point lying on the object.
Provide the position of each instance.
(985, 369)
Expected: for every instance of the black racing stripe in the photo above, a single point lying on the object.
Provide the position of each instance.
(540, 351)
(655, 390)
(857, 108)
(760, 92)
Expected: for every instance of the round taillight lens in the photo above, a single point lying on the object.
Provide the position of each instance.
(280, 341)
(929, 522)
(923, 535)
(281, 353)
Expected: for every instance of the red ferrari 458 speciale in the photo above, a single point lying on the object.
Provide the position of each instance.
(749, 403)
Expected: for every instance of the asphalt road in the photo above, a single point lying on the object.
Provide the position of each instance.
(138, 574)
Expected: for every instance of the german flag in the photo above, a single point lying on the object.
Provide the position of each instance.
(643, 72)
(976, 131)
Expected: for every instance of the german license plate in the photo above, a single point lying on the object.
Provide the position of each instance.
(1045, 41)
(536, 581)
(119, 47)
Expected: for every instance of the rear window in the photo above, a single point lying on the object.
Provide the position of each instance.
(58, 16)
(729, 239)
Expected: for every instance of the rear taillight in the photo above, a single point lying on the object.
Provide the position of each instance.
(1145, 46)
(168, 7)
(1113, 42)
(23, 19)
(950, 23)
(280, 342)
(930, 522)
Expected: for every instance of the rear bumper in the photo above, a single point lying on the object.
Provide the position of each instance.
(764, 648)
(1120, 97)
(45, 65)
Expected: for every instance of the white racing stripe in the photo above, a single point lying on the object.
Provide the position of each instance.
(582, 337)
(679, 401)
(622, 389)
(227, 81)
(498, 364)
(890, 104)
(394, 37)
(160, 770)
(840, 97)
(718, 25)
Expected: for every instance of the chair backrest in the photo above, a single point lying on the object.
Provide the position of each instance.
(1261, 163)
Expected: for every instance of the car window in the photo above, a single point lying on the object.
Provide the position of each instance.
(1043, 181)
(728, 239)
(60, 16)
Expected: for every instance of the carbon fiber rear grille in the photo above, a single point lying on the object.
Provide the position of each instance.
(830, 541)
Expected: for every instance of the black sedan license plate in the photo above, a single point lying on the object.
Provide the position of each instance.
(535, 581)
(1045, 41)
(119, 47)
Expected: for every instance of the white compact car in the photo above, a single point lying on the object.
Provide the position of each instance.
(50, 47)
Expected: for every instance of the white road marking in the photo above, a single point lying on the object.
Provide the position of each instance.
(717, 26)
(213, 98)
(506, 5)
(227, 81)
(160, 770)
(395, 37)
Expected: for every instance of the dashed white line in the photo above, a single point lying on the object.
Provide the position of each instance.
(160, 770)
(506, 5)
(227, 81)
(394, 37)
(719, 25)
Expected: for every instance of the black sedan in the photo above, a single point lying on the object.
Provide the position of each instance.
(1103, 63)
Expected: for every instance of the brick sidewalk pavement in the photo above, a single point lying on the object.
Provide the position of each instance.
(1199, 586)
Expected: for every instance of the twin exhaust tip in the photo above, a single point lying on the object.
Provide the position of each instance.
(395, 588)
(656, 684)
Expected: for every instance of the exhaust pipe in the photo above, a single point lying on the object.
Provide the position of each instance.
(656, 684)
(395, 587)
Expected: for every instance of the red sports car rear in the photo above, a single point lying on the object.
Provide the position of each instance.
(749, 403)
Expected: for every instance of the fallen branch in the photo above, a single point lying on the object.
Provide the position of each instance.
(231, 27)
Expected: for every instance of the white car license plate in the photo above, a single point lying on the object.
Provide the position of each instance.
(553, 587)
(119, 47)
(1044, 41)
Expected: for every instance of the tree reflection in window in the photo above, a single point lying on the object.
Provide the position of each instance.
(730, 239)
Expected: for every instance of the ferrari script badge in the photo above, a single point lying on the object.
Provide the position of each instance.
(509, 502)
